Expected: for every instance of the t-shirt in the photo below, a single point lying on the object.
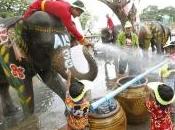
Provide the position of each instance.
(78, 117)
(160, 119)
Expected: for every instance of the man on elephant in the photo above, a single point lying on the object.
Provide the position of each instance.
(127, 39)
(62, 10)
(110, 24)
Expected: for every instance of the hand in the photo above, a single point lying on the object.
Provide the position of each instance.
(87, 43)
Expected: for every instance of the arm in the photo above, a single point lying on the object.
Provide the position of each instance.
(67, 21)
(35, 6)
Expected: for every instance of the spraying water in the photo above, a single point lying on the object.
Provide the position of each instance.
(146, 63)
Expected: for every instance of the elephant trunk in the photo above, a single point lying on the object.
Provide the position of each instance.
(62, 60)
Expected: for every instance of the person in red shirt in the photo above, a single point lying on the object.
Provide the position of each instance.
(63, 10)
(111, 27)
(158, 104)
(110, 24)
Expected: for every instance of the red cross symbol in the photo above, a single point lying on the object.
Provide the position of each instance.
(17, 71)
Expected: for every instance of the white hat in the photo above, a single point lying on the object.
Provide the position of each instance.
(169, 44)
(128, 24)
(154, 87)
(79, 4)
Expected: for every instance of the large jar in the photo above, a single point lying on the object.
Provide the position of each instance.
(115, 120)
(133, 100)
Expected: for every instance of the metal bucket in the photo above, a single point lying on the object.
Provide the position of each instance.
(115, 120)
(133, 100)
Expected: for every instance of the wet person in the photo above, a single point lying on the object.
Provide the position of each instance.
(127, 40)
(167, 72)
(62, 10)
(158, 104)
(77, 105)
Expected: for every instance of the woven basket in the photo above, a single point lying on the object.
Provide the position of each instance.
(133, 101)
(115, 120)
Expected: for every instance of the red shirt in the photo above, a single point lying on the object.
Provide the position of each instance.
(110, 24)
(60, 9)
(160, 119)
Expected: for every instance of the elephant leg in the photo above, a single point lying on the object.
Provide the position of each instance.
(159, 48)
(54, 82)
(1, 111)
(153, 47)
(122, 66)
(28, 93)
(6, 100)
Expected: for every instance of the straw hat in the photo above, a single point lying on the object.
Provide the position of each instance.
(154, 86)
(128, 24)
(81, 96)
(169, 44)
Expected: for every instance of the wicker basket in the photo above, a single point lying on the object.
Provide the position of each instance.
(133, 101)
(115, 120)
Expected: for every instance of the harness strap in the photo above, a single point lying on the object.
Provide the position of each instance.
(43, 5)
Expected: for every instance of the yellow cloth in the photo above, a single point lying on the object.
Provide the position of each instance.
(165, 71)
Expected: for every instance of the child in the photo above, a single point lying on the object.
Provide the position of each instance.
(167, 72)
(77, 105)
(158, 104)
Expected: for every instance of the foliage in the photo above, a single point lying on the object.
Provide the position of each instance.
(84, 18)
(10, 8)
(153, 13)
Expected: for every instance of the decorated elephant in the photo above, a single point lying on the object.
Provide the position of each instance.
(154, 34)
(45, 44)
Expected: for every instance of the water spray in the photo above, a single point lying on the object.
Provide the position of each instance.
(112, 94)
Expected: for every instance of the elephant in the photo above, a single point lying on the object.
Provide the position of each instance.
(153, 33)
(108, 37)
(45, 43)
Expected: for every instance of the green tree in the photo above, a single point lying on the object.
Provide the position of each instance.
(153, 13)
(84, 18)
(10, 8)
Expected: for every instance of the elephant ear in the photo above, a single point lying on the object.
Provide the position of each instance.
(62, 60)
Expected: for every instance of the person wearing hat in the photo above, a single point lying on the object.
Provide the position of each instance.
(64, 11)
(128, 40)
(167, 72)
(127, 37)
(77, 104)
(158, 105)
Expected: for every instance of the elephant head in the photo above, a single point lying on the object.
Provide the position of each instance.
(48, 46)
(108, 37)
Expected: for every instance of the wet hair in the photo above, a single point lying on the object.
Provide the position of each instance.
(166, 93)
(76, 88)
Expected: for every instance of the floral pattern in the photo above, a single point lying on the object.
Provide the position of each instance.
(17, 72)
(160, 119)
(78, 117)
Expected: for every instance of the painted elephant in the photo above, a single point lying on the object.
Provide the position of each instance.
(45, 42)
(153, 33)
